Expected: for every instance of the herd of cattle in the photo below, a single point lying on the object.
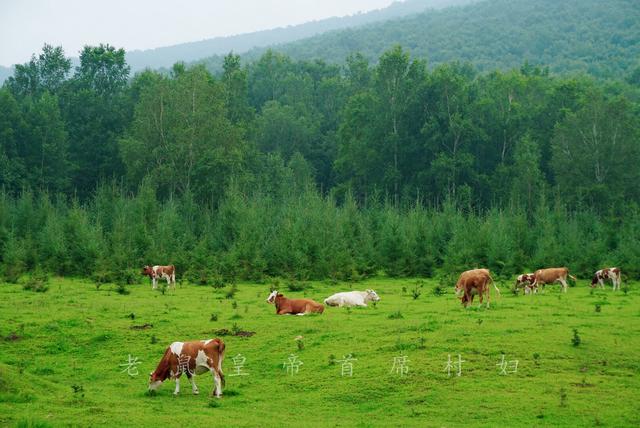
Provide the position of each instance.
(202, 356)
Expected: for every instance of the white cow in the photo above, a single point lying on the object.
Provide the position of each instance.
(352, 298)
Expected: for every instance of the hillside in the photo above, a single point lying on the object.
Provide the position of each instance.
(598, 37)
(167, 56)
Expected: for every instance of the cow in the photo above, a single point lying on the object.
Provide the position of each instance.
(352, 298)
(551, 275)
(472, 282)
(286, 306)
(191, 358)
(526, 280)
(608, 273)
(165, 272)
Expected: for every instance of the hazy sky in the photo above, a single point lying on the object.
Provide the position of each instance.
(25, 25)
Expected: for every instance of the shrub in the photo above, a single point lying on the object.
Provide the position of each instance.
(395, 315)
(575, 340)
(38, 282)
(231, 294)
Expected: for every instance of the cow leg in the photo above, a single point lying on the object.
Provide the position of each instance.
(564, 285)
(168, 278)
(194, 388)
(217, 382)
(154, 281)
(177, 391)
(600, 283)
(301, 313)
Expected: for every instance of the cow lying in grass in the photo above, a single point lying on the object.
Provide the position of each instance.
(352, 298)
(472, 282)
(190, 358)
(286, 306)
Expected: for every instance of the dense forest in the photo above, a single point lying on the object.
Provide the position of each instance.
(600, 38)
(304, 169)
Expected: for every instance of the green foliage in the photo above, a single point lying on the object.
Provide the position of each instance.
(38, 282)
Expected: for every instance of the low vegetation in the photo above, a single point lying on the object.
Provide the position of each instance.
(65, 365)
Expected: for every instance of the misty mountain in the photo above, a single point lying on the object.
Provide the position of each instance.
(5, 72)
(598, 37)
(167, 56)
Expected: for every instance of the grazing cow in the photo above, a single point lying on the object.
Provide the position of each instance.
(472, 282)
(165, 272)
(608, 273)
(526, 280)
(191, 358)
(551, 275)
(352, 298)
(286, 306)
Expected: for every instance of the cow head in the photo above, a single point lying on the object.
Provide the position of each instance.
(594, 281)
(459, 290)
(148, 271)
(154, 381)
(372, 295)
(272, 297)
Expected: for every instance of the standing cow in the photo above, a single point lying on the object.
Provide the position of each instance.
(608, 273)
(551, 275)
(472, 282)
(352, 298)
(164, 272)
(190, 358)
(526, 280)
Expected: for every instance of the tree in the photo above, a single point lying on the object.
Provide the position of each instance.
(46, 145)
(595, 153)
(181, 137)
(47, 72)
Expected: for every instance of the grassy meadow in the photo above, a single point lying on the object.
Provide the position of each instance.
(61, 350)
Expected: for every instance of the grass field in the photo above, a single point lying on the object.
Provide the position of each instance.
(60, 356)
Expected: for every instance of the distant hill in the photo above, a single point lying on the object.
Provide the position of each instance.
(5, 72)
(599, 37)
(167, 56)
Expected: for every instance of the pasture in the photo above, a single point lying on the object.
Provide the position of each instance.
(61, 353)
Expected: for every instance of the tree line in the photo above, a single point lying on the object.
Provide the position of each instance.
(313, 170)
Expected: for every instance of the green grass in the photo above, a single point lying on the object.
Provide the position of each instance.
(63, 366)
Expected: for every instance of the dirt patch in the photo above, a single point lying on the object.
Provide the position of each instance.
(227, 332)
(141, 327)
(12, 337)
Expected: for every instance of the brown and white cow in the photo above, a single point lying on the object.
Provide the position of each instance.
(472, 282)
(286, 306)
(526, 280)
(191, 358)
(612, 273)
(164, 272)
(551, 275)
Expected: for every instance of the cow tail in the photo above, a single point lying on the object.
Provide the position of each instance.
(221, 347)
(173, 275)
(495, 286)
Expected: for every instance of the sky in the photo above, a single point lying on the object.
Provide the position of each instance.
(26, 25)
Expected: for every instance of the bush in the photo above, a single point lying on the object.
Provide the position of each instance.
(38, 282)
